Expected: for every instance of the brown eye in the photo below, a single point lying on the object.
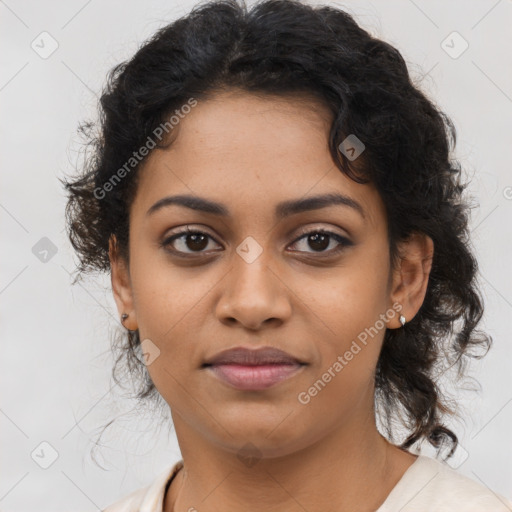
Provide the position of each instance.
(188, 242)
(320, 240)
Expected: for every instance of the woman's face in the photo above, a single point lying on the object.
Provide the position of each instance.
(253, 279)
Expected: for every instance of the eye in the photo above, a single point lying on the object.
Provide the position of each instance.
(319, 240)
(194, 240)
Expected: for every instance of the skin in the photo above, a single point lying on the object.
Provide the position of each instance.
(250, 153)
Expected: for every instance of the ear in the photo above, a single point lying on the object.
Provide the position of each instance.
(121, 285)
(410, 279)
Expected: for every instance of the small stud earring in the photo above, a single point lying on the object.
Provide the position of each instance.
(124, 316)
(402, 319)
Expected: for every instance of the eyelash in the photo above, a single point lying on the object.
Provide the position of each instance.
(344, 242)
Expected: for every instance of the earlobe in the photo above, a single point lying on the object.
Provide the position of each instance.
(410, 278)
(121, 287)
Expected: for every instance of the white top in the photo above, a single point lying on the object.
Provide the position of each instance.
(428, 485)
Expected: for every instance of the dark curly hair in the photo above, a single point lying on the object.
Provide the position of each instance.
(284, 47)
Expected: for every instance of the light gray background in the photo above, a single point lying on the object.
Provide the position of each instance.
(55, 366)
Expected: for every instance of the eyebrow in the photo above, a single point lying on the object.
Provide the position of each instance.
(283, 209)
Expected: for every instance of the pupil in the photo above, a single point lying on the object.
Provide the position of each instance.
(195, 238)
(323, 238)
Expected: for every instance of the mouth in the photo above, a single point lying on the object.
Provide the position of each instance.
(253, 369)
(254, 377)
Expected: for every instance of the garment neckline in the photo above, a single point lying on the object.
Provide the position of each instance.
(402, 484)
(163, 483)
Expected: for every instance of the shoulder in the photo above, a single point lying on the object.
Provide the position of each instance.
(129, 503)
(432, 485)
(149, 498)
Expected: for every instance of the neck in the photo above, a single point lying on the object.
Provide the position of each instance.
(354, 468)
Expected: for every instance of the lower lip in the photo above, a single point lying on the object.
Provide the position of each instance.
(254, 377)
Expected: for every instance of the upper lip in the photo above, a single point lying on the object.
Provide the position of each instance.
(252, 357)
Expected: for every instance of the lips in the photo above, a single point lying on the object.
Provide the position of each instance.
(253, 369)
(252, 357)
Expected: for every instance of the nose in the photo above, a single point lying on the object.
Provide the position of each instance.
(253, 295)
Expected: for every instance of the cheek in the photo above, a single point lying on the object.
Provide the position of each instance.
(171, 305)
(347, 315)
(348, 342)
(350, 298)
(164, 294)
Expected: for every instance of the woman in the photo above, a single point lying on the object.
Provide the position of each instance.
(287, 239)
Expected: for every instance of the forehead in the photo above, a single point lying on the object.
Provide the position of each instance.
(250, 152)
